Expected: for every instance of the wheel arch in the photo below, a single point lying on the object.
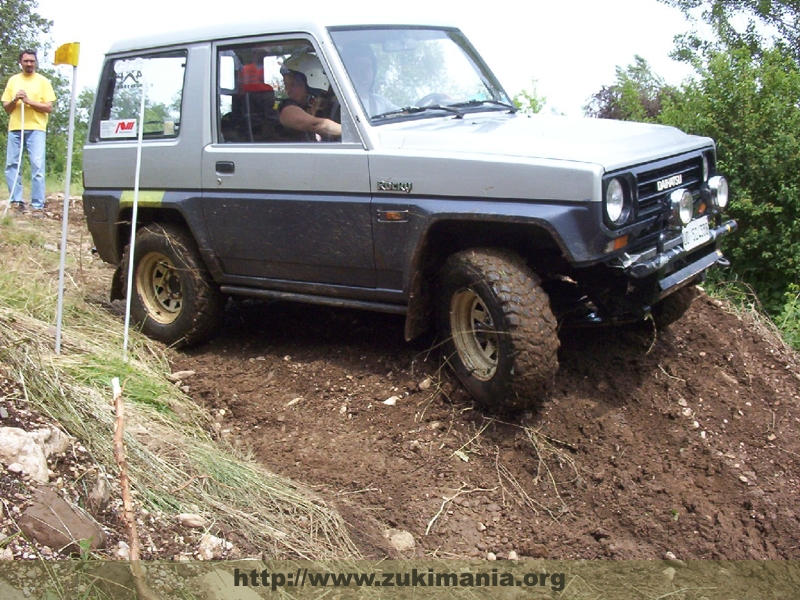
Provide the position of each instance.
(532, 241)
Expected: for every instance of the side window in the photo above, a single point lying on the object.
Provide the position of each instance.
(161, 79)
(252, 92)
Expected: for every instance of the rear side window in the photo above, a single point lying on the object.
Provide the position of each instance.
(160, 78)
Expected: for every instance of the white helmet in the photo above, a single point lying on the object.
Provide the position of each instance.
(309, 66)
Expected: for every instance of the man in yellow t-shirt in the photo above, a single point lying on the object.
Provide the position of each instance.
(28, 100)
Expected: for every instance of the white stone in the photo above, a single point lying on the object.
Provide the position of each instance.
(52, 440)
(192, 520)
(210, 547)
(401, 540)
(122, 551)
(17, 446)
(180, 376)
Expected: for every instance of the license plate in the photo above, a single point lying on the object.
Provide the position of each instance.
(696, 233)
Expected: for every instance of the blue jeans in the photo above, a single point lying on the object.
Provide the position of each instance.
(35, 145)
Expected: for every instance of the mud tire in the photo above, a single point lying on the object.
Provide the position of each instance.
(176, 301)
(673, 307)
(500, 335)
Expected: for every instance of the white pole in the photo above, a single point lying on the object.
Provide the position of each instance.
(19, 161)
(65, 224)
(134, 216)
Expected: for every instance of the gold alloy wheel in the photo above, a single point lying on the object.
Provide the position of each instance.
(159, 286)
(474, 334)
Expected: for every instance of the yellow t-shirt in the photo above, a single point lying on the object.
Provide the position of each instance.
(39, 89)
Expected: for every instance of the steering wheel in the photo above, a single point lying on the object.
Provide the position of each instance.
(432, 99)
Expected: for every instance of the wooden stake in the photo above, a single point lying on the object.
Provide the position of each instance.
(128, 513)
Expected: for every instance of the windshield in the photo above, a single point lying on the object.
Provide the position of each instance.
(403, 72)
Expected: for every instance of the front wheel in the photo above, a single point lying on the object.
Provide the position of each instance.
(500, 334)
(175, 299)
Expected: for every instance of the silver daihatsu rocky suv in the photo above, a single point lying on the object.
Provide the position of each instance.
(430, 196)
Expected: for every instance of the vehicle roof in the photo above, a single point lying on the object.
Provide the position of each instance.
(240, 28)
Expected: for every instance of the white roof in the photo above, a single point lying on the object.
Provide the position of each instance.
(241, 28)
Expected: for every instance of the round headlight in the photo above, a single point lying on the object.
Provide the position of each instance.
(719, 191)
(682, 207)
(615, 202)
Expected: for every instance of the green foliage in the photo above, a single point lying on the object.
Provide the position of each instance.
(21, 28)
(778, 19)
(748, 103)
(529, 101)
(788, 321)
(636, 95)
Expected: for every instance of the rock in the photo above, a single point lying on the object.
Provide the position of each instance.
(180, 376)
(9, 592)
(212, 547)
(52, 440)
(391, 401)
(123, 551)
(425, 384)
(491, 556)
(481, 527)
(673, 560)
(53, 522)
(192, 520)
(97, 500)
(513, 556)
(401, 540)
(219, 585)
(17, 446)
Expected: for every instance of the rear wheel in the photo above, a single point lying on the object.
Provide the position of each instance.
(175, 299)
(500, 334)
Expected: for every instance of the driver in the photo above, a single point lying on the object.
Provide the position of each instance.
(309, 98)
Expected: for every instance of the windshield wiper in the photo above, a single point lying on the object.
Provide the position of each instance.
(409, 110)
(469, 103)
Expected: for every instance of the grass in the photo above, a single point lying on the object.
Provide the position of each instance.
(738, 297)
(175, 465)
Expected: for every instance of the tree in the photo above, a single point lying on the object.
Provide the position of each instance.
(636, 95)
(20, 28)
(779, 19)
(747, 102)
(530, 102)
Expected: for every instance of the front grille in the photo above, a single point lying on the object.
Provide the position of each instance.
(651, 200)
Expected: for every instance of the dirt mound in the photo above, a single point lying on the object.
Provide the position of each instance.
(682, 441)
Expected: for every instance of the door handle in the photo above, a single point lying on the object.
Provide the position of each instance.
(226, 167)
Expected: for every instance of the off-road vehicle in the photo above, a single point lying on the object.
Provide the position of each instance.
(440, 201)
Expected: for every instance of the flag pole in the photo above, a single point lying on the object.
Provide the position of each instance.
(134, 216)
(66, 54)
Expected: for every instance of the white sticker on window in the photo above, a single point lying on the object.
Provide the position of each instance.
(118, 128)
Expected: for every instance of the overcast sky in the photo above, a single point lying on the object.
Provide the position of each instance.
(571, 47)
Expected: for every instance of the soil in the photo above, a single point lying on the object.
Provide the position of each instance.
(683, 441)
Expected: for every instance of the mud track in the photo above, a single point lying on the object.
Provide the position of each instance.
(683, 441)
